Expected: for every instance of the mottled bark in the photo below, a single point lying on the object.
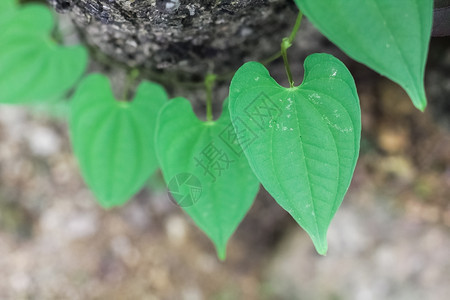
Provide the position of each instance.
(190, 37)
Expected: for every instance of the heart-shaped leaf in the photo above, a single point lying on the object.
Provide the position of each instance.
(113, 140)
(308, 137)
(33, 67)
(207, 174)
(389, 36)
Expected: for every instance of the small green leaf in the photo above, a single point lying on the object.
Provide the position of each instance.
(113, 140)
(32, 66)
(308, 137)
(205, 170)
(389, 36)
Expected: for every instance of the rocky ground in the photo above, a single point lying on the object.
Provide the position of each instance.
(389, 240)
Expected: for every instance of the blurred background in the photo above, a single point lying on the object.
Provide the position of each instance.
(389, 240)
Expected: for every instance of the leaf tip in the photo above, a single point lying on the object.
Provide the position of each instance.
(221, 248)
(109, 203)
(322, 251)
(321, 246)
(419, 100)
(422, 105)
(221, 252)
(105, 204)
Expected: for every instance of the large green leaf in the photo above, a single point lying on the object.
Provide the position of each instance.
(207, 174)
(389, 36)
(33, 67)
(308, 137)
(6, 7)
(113, 140)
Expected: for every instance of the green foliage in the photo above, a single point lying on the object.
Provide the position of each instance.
(307, 137)
(301, 143)
(32, 66)
(389, 36)
(206, 171)
(6, 6)
(113, 140)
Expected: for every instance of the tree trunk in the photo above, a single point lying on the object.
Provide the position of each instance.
(180, 36)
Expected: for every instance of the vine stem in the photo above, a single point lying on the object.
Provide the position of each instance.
(210, 80)
(291, 39)
(272, 58)
(296, 27)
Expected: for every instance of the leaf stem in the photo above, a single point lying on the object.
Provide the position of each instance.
(285, 44)
(210, 81)
(132, 75)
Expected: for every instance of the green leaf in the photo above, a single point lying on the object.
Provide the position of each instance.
(205, 170)
(33, 67)
(7, 7)
(113, 140)
(8, 10)
(308, 137)
(389, 36)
